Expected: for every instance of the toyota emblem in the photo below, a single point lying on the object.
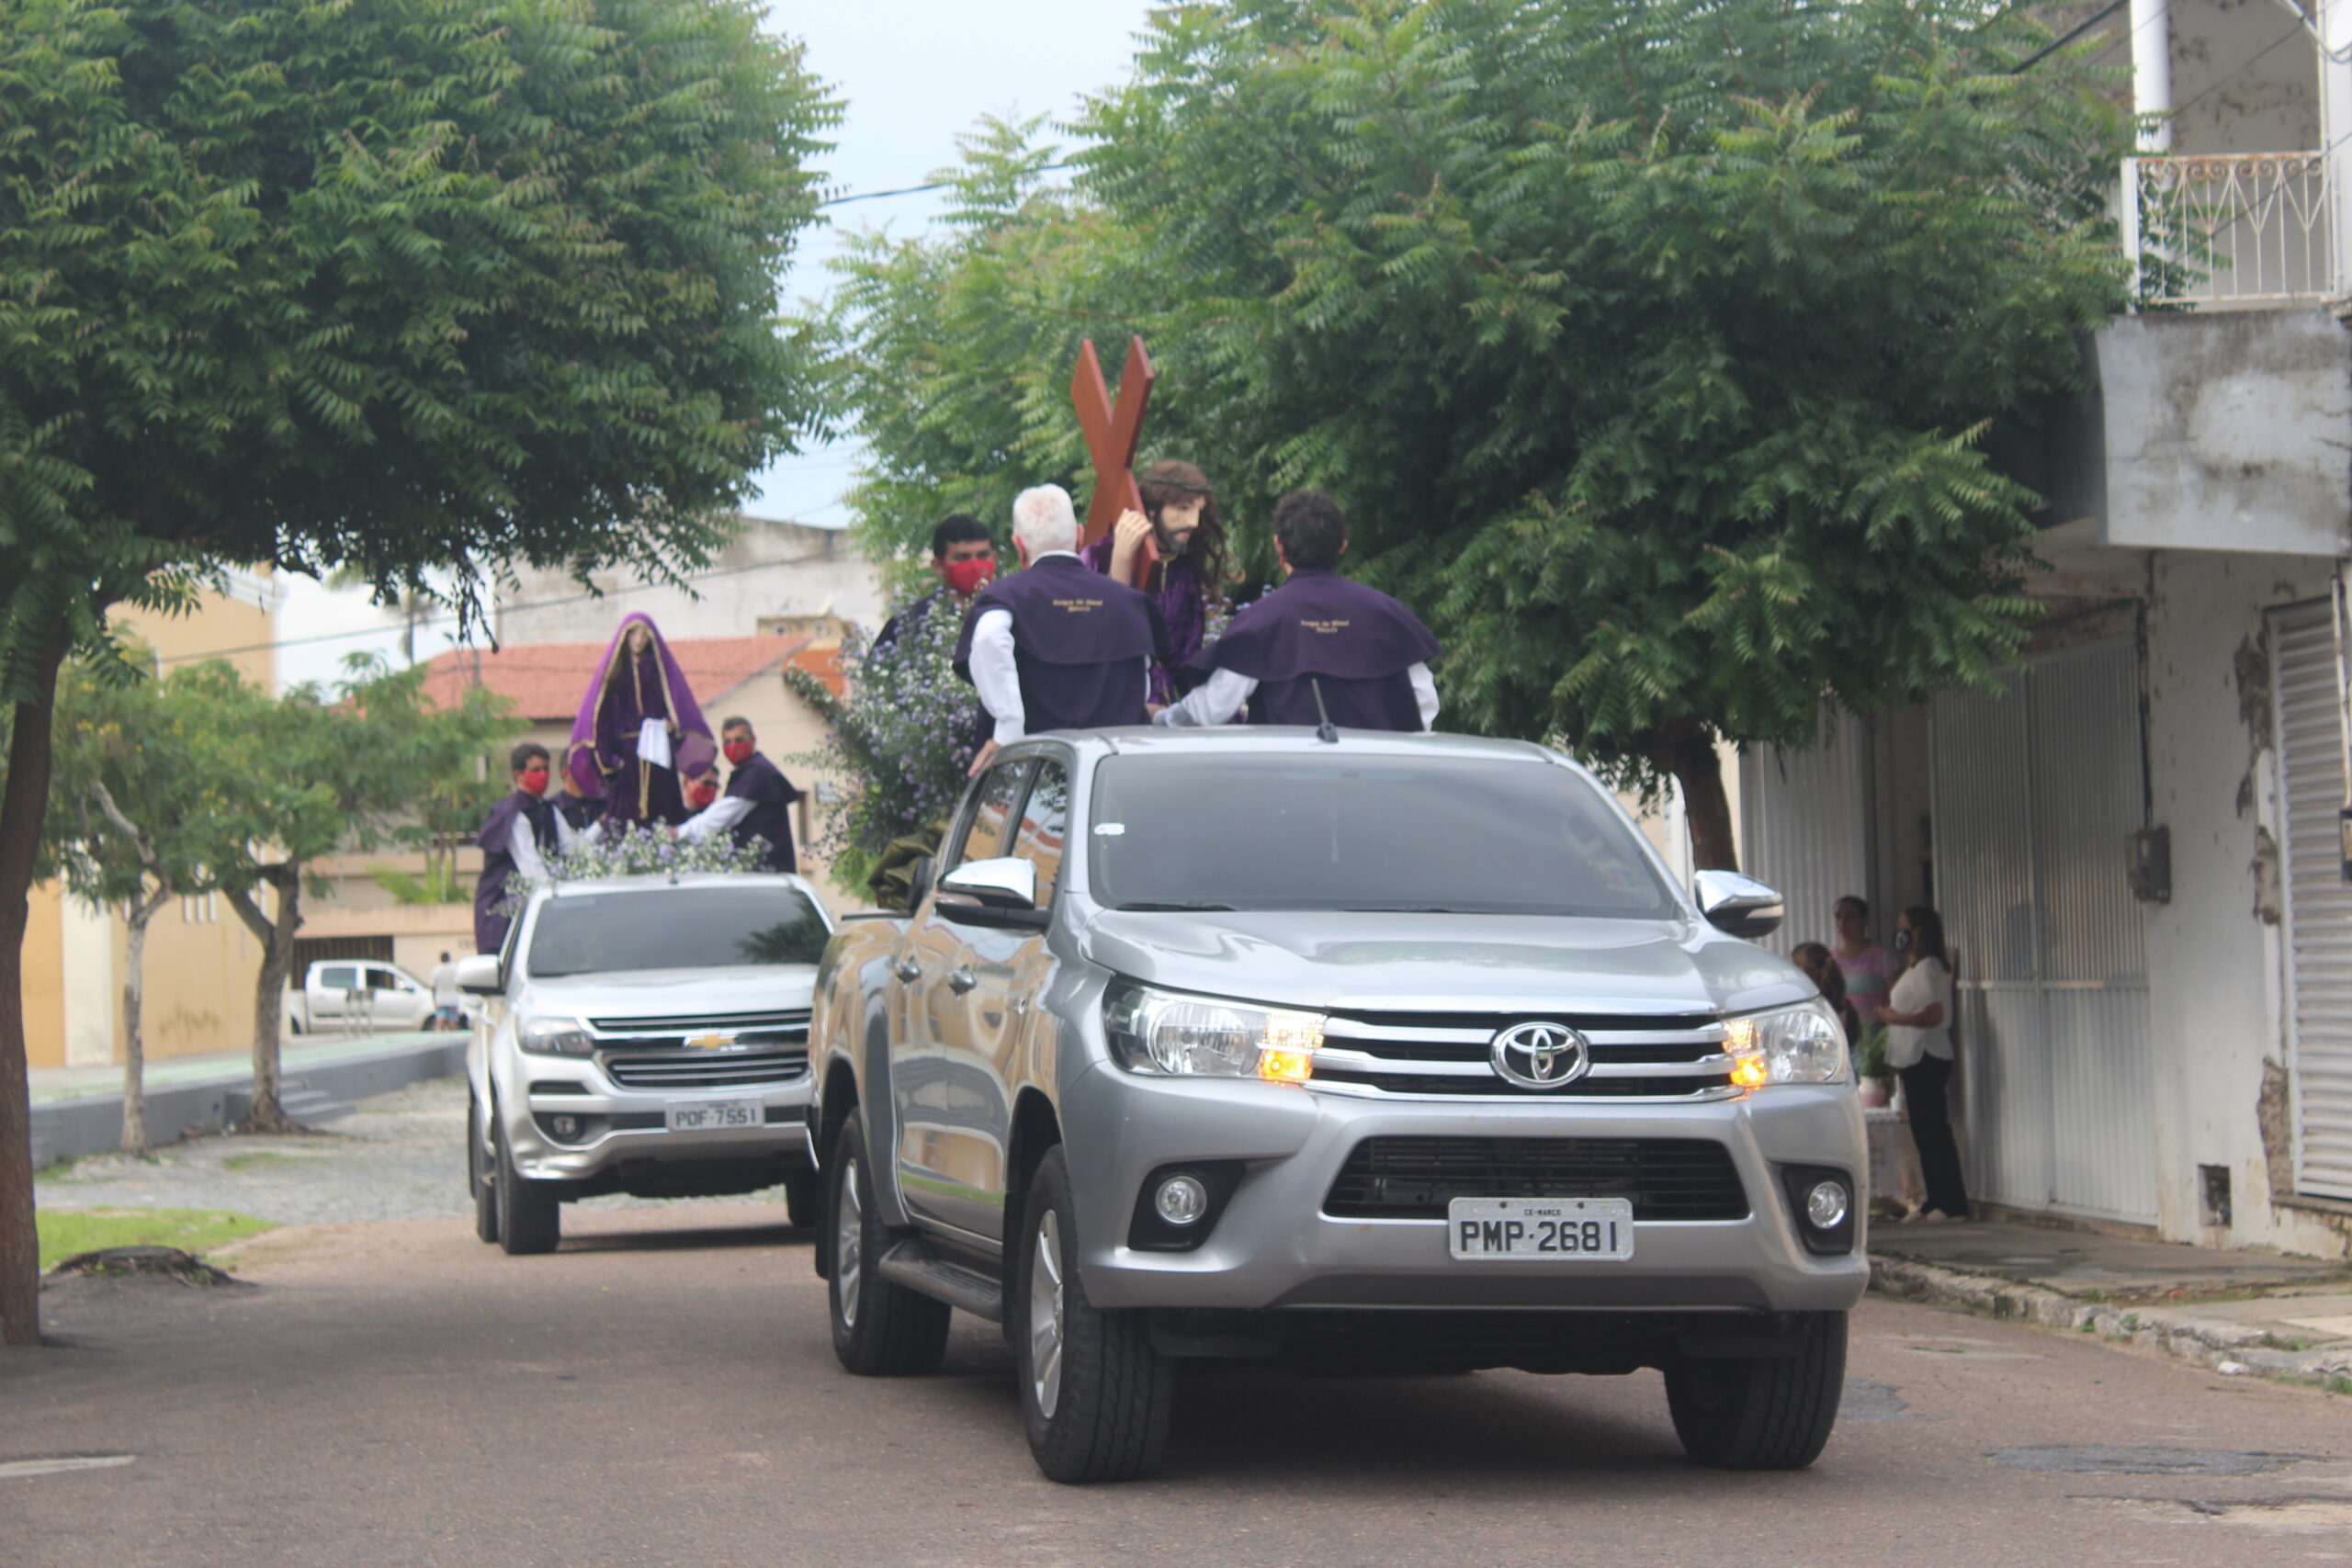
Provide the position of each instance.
(1540, 1056)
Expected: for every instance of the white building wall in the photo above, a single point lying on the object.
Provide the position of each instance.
(771, 570)
(2215, 963)
(91, 994)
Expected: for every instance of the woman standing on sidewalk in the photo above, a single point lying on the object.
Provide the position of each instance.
(1918, 1015)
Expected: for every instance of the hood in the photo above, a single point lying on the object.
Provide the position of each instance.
(675, 993)
(1408, 962)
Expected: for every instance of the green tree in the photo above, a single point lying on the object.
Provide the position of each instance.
(1650, 346)
(131, 820)
(401, 286)
(319, 774)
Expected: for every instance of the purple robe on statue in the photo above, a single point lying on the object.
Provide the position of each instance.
(1355, 643)
(1081, 644)
(1175, 587)
(629, 689)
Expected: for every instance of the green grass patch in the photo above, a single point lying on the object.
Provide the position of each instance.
(65, 1232)
(257, 1160)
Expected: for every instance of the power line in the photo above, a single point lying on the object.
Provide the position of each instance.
(2097, 18)
(446, 617)
(941, 184)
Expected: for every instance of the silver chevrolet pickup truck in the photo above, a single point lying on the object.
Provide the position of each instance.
(1386, 1054)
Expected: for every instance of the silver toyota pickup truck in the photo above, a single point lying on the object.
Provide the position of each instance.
(1392, 1053)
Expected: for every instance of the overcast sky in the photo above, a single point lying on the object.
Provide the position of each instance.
(915, 74)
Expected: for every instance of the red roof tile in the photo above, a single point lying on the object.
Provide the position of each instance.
(545, 681)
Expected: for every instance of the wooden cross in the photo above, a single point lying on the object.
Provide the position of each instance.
(1110, 437)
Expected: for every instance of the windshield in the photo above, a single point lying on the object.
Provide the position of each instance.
(1467, 835)
(675, 928)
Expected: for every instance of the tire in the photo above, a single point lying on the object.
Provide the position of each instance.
(1096, 1396)
(1762, 1412)
(477, 1175)
(880, 1328)
(803, 1200)
(530, 1218)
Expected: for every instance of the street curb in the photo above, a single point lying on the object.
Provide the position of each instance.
(2206, 1342)
(93, 1125)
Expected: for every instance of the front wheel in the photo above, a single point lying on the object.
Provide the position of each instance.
(530, 1218)
(880, 1327)
(1762, 1412)
(1096, 1395)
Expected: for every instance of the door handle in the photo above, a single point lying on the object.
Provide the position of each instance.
(907, 970)
(961, 980)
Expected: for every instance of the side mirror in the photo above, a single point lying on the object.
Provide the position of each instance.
(1001, 892)
(481, 975)
(1739, 905)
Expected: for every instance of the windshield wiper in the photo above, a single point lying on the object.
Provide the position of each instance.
(1401, 909)
(1165, 908)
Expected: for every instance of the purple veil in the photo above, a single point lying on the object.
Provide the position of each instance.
(695, 749)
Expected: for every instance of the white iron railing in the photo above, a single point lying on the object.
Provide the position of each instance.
(2237, 229)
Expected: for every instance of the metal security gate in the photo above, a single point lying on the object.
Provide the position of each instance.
(2036, 790)
(2307, 715)
(1804, 820)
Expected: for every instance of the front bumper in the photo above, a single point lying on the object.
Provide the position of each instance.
(627, 1126)
(1273, 1247)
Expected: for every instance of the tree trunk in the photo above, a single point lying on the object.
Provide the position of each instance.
(265, 1115)
(1687, 750)
(23, 804)
(134, 1042)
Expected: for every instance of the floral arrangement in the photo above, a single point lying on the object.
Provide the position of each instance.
(640, 851)
(903, 742)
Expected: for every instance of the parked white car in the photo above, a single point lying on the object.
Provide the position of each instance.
(646, 1035)
(358, 995)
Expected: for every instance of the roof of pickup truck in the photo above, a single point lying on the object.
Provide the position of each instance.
(658, 883)
(1146, 739)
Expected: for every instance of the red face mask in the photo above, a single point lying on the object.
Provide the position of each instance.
(969, 577)
(532, 781)
(701, 793)
(739, 752)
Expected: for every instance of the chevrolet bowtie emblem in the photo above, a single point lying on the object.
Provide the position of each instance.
(709, 1041)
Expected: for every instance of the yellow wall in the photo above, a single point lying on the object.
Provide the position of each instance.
(217, 625)
(202, 965)
(44, 971)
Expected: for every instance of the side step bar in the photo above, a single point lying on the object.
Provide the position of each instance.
(917, 1265)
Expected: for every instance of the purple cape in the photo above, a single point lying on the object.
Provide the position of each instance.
(1081, 642)
(1322, 646)
(604, 734)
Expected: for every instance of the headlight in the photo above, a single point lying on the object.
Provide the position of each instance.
(1798, 1045)
(554, 1037)
(1152, 1031)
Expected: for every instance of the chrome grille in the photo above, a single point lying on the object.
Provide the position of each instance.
(781, 1019)
(1444, 1055)
(706, 1069)
(1415, 1179)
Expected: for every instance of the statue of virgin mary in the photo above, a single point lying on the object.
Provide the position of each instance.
(639, 730)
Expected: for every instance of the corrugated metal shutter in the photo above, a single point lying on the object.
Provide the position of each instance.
(2311, 758)
(1805, 816)
(2036, 789)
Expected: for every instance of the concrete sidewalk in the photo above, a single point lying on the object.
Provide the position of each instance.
(78, 1111)
(2233, 1311)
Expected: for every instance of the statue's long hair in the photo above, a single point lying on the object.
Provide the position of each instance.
(1212, 558)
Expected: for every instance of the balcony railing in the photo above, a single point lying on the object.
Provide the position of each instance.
(2239, 229)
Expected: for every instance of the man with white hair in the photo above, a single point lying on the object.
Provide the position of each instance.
(1058, 645)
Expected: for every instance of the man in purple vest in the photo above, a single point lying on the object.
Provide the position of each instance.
(758, 804)
(524, 830)
(1056, 645)
(1365, 655)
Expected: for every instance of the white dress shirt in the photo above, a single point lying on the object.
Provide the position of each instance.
(522, 845)
(996, 673)
(717, 818)
(1225, 693)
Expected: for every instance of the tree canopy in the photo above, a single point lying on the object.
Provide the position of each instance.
(1650, 348)
(399, 286)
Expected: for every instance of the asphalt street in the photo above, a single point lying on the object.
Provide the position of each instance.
(662, 1391)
